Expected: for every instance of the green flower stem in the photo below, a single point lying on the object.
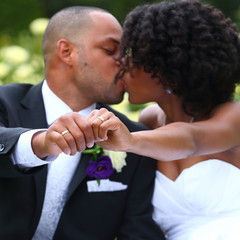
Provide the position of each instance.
(96, 152)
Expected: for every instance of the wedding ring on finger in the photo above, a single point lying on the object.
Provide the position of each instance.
(64, 132)
(101, 118)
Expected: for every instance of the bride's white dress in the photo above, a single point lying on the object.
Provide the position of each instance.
(203, 203)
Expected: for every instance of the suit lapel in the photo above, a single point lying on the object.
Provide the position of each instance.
(79, 174)
(32, 115)
(40, 183)
(32, 112)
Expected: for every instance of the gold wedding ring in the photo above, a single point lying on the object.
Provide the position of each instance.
(65, 132)
(101, 118)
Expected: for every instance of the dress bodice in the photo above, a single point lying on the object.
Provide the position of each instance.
(202, 203)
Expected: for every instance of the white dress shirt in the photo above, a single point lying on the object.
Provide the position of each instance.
(60, 168)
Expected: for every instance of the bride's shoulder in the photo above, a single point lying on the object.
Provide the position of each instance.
(152, 116)
(226, 111)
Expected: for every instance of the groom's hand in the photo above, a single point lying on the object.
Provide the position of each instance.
(70, 134)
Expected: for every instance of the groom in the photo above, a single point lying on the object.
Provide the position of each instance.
(45, 191)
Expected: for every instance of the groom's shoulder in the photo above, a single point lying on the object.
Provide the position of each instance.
(17, 91)
(132, 125)
(12, 88)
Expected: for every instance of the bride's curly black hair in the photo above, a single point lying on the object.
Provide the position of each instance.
(190, 46)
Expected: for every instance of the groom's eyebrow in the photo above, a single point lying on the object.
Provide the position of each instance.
(113, 40)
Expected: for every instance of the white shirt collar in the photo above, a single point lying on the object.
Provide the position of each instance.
(55, 107)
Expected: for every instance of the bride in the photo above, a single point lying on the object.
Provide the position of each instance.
(185, 57)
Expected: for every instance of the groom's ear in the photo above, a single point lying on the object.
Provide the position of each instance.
(65, 51)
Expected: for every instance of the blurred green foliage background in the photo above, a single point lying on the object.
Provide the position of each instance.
(22, 23)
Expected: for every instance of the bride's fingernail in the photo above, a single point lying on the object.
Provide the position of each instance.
(100, 140)
(89, 145)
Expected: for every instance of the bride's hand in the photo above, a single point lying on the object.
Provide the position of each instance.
(110, 133)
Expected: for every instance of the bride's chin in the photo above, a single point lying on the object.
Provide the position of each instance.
(133, 100)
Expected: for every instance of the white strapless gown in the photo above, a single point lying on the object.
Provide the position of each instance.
(203, 203)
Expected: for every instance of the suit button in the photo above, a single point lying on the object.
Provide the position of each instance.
(2, 146)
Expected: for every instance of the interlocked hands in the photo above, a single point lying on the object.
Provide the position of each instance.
(72, 133)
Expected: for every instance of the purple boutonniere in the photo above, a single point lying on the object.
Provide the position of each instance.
(101, 165)
(100, 169)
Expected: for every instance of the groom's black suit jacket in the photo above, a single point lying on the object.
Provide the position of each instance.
(86, 216)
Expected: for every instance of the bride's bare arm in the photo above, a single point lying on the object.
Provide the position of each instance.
(177, 140)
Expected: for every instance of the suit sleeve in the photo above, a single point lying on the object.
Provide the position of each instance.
(138, 223)
(8, 139)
